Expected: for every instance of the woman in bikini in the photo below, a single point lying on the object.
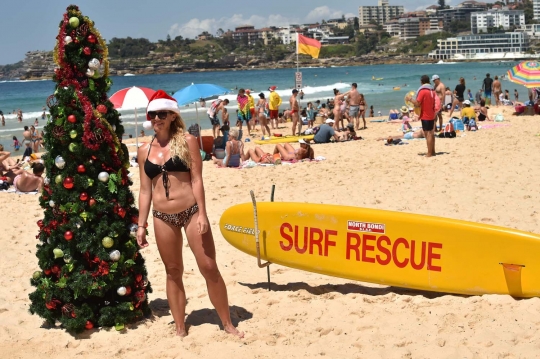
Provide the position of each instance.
(288, 153)
(234, 151)
(362, 108)
(259, 156)
(482, 112)
(171, 180)
(338, 103)
(262, 105)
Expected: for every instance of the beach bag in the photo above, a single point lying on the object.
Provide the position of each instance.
(499, 117)
(448, 131)
(458, 125)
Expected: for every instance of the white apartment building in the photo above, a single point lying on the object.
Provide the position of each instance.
(536, 9)
(380, 14)
(481, 21)
(287, 34)
(484, 46)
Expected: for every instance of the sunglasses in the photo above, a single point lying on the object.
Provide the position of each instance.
(160, 114)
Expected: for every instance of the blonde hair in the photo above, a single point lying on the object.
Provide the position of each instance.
(233, 132)
(179, 146)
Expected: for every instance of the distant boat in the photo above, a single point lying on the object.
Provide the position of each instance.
(129, 74)
(377, 79)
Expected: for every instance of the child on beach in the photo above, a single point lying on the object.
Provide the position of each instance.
(36, 122)
(16, 143)
(310, 114)
(406, 126)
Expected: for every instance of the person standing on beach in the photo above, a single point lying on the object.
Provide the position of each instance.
(244, 112)
(478, 96)
(254, 118)
(516, 97)
(295, 113)
(170, 168)
(3, 119)
(425, 99)
(459, 96)
(262, 106)
(497, 90)
(273, 106)
(440, 90)
(354, 106)
(217, 105)
(487, 86)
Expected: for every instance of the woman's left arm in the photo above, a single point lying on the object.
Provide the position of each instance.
(197, 182)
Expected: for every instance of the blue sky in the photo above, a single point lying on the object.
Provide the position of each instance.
(34, 26)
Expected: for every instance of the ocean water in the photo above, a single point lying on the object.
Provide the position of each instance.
(30, 96)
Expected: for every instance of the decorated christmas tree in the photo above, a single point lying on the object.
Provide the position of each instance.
(91, 272)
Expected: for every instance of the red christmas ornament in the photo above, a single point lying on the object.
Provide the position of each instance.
(81, 169)
(89, 325)
(83, 196)
(55, 269)
(135, 219)
(92, 202)
(40, 223)
(68, 183)
(68, 235)
(72, 119)
(140, 296)
(128, 290)
(102, 109)
(91, 39)
(47, 271)
(87, 50)
(121, 212)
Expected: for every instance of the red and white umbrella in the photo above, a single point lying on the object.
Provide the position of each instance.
(132, 98)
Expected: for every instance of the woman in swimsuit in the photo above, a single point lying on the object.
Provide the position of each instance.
(338, 102)
(288, 153)
(482, 112)
(171, 180)
(362, 109)
(262, 105)
(259, 156)
(234, 151)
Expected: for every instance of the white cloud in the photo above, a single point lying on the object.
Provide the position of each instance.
(195, 26)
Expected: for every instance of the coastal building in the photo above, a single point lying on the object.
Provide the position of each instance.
(508, 45)
(483, 20)
(412, 27)
(379, 14)
(247, 33)
(536, 9)
(533, 30)
(392, 27)
(461, 12)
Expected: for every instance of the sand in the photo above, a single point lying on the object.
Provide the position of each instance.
(489, 176)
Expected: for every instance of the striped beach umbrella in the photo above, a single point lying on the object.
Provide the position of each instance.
(526, 73)
(132, 98)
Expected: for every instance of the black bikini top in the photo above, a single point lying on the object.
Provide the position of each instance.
(152, 170)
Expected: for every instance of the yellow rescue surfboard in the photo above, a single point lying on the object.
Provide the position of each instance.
(389, 248)
(283, 139)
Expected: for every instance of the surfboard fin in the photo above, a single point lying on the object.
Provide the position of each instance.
(512, 274)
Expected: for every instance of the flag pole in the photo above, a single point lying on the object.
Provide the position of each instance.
(297, 66)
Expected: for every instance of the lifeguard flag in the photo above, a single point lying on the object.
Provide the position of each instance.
(308, 46)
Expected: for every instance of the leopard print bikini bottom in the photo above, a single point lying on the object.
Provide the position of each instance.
(177, 219)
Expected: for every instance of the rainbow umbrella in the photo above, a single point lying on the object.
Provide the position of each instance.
(526, 73)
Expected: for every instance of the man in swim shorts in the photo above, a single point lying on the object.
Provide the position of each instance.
(354, 105)
(273, 106)
(425, 99)
(440, 89)
(217, 105)
(295, 109)
(487, 86)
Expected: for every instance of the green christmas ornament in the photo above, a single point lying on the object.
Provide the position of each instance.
(119, 326)
(107, 242)
(58, 179)
(36, 275)
(96, 75)
(73, 147)
(72, 133)
(74, 21)
(58, 253)
(90, 182)
(84, 215)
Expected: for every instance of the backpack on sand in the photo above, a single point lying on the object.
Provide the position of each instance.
(448, 131)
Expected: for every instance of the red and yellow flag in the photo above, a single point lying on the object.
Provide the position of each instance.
(308, 46)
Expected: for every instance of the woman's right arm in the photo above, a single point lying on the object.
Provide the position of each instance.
(227, 153)
(145, 196)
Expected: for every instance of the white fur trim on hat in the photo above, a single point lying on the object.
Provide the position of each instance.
(161, 104)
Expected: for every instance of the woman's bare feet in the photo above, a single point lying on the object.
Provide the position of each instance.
(181, 331)
(230, 329)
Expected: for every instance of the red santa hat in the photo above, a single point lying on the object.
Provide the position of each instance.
(161, 101)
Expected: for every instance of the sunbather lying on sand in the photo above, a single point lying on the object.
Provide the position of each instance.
(258, 155)
(288, 153)
(27, 182)
(405, 136)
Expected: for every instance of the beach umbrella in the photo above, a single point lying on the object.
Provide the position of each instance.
(194, 92)
(132, 98)
(526, 73)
